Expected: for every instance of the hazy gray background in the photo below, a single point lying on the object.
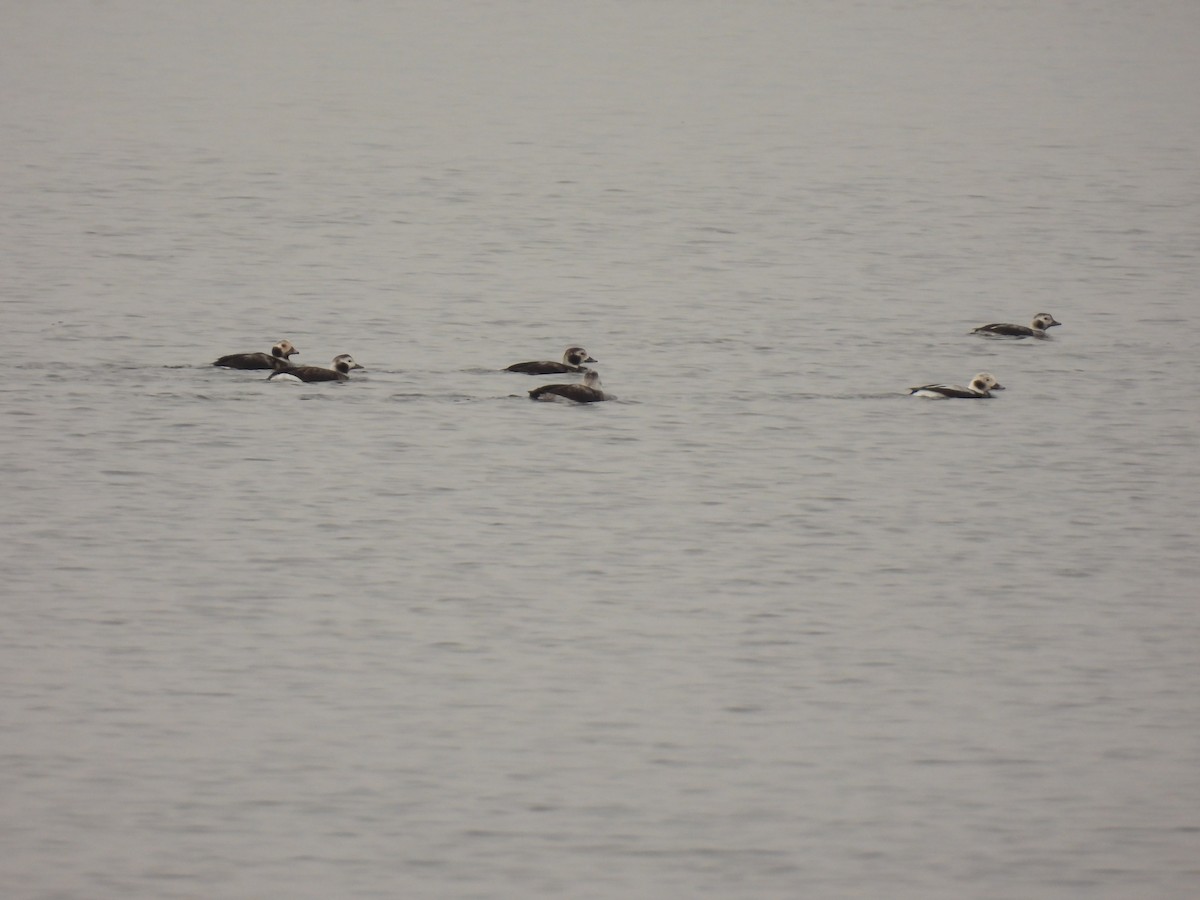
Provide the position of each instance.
(765, 627)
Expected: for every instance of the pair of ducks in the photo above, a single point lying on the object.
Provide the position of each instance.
(278, 359)
(984, 383)
(586, 391)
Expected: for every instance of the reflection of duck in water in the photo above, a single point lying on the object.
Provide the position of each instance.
(279, 353)
(1036, 328)
(572, 361)
(339, 371)
(586, 391)
(981, 387)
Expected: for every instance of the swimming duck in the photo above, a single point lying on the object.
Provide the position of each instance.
(280, 352)
(587, 391)
(339, 370)
(981, 387)
(572, 361)
(1037, 328)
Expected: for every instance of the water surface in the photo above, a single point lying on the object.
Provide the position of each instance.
(763, 627)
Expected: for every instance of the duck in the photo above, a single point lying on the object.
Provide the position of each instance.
(1036, 328)
(339, 370)
(586, 391)
(280, 352)
(980, 388)
(572, 361)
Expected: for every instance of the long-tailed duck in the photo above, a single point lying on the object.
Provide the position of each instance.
(338, 371)
(587, 391)
(980, 387)
(572, 361)
(280, 352)
(1036, 328)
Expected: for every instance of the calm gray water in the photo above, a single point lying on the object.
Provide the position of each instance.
(765, 627)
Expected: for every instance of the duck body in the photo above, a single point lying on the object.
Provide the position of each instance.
(586, 391)
(338, 371)
(980, 388)
(1036, 328)
(279, 353)
(572, 362)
